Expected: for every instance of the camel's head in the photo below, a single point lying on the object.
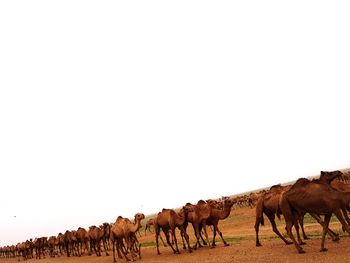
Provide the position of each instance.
(139, 216)
(187, 209)
(229, 202)
(328, 177)
(201, 202)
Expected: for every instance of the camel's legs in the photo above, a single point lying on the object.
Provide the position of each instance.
(296, 226)
(256, 226)
(205, 233)
(173, 234)
(164, 244)
(168, 240)
(183, 233)
(183, 240)
(301, 222)
(113, 246)
(340, 217)
(105, 246)
(156, 230)
(216, 229)
(333, 235)
(289, 225)
(120, 245)
(327, 218)
(196, 233)
(271, 217)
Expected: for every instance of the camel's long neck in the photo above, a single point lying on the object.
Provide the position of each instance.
(223, 214)
(136, 226)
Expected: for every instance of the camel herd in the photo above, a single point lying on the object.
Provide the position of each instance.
(325, 196)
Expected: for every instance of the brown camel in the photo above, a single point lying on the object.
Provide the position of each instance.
(82, 237)
(70, 241)
(268, 204)
(149, 224)
(95, 235)
(60, 240)
(168, 220)
(106, 229)
(39, 246)
(52, 245)
(25, 249)
(216, 215)
(315, 198)
(197, 217)
(124, 229)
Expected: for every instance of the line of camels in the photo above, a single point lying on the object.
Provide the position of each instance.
(325, 196)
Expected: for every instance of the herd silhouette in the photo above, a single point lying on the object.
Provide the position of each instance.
(326, 196)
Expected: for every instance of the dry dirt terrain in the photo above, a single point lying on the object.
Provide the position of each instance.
(239, 232)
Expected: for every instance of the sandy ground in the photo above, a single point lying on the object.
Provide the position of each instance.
(239, 232)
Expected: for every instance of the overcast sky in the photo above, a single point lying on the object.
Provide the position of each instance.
(110, 108)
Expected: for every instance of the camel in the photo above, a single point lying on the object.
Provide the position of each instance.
(268, 204)
(216, 215)
(52, 244)
(106, 229)
(25, 249)
(314, 198)
(39, 246)
(148, 225)
(69, 241)
(197, 217)
(60, 240)
(82, 237)
(125, 229)
(95, 235)
(168, 220)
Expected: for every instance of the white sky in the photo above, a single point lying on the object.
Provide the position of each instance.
(109, 108)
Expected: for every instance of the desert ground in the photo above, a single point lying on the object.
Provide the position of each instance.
(238, 230)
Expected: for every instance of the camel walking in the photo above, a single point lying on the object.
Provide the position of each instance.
(197, 217)
(124, 229)
(168, 220)
(314, 198)
(95, 236)
(215, 216)
(83, 239)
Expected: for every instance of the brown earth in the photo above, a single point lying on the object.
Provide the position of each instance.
(238, 230)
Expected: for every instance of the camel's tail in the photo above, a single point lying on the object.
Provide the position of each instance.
(259, 211)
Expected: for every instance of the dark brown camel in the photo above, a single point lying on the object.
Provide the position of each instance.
(268, 204)
(315, 198)
(168, 220)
